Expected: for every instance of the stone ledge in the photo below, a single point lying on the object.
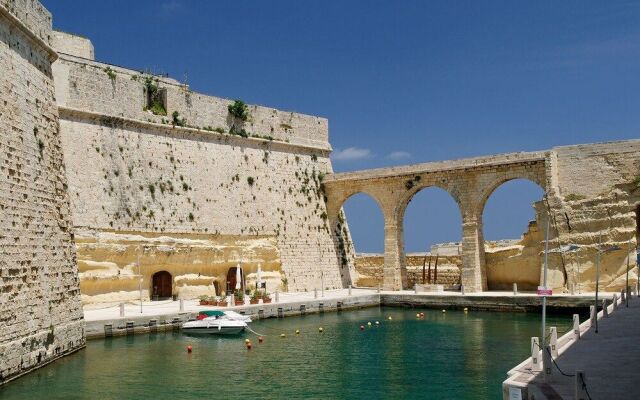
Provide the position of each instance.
(69, 113)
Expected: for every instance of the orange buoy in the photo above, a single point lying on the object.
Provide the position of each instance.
(248, 345)
(189, 349)
(260, 339)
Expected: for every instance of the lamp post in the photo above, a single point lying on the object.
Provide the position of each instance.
(626, 286)
(544, 281)
(140, 281)
(600, 251)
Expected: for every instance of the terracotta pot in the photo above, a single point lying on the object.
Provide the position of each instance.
(239, 302)
(222, 304)
(253, 301)
(203, 302)
(265, 300)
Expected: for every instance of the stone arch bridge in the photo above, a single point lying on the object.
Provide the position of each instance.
(470, 182)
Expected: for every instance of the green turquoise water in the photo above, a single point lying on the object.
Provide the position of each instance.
(445, 356)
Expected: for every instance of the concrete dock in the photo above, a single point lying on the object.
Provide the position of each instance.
(106, 319)
(607, 359)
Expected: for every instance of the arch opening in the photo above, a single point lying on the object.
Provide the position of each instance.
(432, 224)
(162, 285)
(513, 241)
(363, 221)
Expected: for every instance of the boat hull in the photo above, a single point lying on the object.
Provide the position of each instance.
(214, 330)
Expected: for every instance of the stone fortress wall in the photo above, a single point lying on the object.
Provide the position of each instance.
(192, 200)
(40, 312)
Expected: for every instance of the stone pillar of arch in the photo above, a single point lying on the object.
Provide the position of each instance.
(474, 273)
(395, 268)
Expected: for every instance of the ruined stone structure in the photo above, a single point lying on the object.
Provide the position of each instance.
(40, 313)
(591, 196)
(179, 194)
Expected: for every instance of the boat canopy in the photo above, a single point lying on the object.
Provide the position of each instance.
(212, 313)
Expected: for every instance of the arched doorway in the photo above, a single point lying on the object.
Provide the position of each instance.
(231, 279)
(162, 285)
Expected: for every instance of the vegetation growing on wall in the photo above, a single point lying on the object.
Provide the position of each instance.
(110, 73)
(154, 100)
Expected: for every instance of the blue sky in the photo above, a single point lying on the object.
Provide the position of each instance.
(400, 81)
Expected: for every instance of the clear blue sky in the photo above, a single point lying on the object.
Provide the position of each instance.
(400, 81)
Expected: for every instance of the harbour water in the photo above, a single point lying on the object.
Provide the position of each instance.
(452, 355)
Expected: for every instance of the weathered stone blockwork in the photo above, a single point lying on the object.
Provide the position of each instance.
(40, 314)
(133, 172)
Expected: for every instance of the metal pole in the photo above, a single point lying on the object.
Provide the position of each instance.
(579, 278)
(597, 278)
(544, 279)
(626, 288)
(140, 282)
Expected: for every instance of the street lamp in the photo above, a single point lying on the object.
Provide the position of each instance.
(600, 251)
(140, 280)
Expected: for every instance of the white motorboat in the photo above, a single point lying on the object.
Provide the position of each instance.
(217, 323)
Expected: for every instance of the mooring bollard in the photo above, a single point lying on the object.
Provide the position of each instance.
(553, 341)
(581, 387)
(349, 290)
(415, 288)
(232, 300)
(181, 305)
(623, 296)
(515, 289)
(535, 347)
(605, 309)
(378, 288)
(315, 293)
(573, 289)
(592, 314)
(122, 309)
(277, 296)
(462, 289)
(615, 302)
(576, 326)
(546, 364)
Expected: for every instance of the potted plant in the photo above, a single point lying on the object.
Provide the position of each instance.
(212, 301)
(203, 300)
(222, 301)
(266, 297)
(255, 297)
(239, 297)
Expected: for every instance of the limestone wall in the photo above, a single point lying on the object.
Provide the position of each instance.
(111, 90)
(596, 202)
(134, 173)
(40, 314)
(67, 43)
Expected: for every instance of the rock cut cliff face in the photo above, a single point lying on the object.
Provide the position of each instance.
(40, 313)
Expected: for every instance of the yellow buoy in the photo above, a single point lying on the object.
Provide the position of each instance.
(369, 323)
(444, 311)
(390, 318)
(247, 340)
(377, 322)
(466, 309)
(320, 330)
(282, 335)
(297, 332)
(418, 315)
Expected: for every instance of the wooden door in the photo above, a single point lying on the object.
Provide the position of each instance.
(162, 287)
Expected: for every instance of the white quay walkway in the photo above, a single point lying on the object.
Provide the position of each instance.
(609, 360)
